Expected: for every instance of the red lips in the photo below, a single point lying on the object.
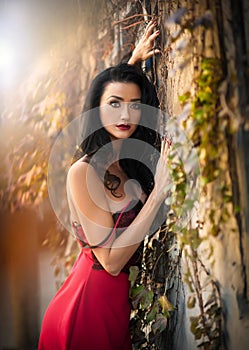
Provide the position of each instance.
(123, 127)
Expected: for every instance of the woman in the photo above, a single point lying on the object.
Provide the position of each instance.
(111, 214)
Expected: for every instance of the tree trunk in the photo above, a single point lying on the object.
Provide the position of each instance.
(220, 264)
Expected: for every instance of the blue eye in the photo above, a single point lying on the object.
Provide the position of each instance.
(115, 104)
(136, 106)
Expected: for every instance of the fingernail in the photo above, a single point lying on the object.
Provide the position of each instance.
(158, 31)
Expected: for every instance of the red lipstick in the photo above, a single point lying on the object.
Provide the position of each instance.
(123, 127)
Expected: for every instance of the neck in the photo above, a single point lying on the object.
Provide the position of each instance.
(116, 146)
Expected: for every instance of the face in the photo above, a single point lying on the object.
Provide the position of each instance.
(120, 109)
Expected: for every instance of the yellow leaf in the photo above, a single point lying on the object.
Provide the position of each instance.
(165, 304)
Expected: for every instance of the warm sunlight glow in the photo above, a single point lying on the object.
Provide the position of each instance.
(7, 56)
(7, 63)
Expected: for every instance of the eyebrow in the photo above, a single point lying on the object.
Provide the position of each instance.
(121, 99)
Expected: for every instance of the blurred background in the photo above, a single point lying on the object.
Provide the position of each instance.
(49, 52)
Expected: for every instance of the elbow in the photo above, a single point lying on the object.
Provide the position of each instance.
(114, 274)
(112, 270)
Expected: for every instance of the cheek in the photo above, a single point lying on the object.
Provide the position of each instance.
(110, 114)
(135, 117)
(107, 116)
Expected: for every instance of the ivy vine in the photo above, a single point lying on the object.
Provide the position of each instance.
(155, 318)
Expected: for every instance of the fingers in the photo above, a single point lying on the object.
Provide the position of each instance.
(149, 38)
(154, 35)
(149, 29)
(152, 52)
(164, 149)
(162, 145)
(165, 146)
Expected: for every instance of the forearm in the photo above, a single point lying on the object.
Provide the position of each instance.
(96, 219)
(127, 243)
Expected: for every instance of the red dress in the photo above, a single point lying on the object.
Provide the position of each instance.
(91, 311)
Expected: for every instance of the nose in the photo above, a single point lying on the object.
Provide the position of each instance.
(125, 116)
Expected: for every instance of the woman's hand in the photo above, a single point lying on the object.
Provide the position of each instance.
(145, 47)
(162, 179)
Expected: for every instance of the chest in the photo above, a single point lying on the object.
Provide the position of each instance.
(120, 190)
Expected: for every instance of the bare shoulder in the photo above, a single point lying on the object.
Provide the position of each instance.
(85, 186)
(81, 170)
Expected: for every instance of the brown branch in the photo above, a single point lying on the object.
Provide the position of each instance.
(130, 17)
(132, 25)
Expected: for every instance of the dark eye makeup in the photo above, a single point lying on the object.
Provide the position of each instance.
(117, 104)
(114, 103)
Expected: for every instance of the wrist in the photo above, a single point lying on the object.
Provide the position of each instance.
(157, 196)
(134, 61)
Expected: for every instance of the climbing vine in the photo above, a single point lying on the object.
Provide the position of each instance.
(204, 125)
(207, 134)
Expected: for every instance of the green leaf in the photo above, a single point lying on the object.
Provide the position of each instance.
(236, 209)
(141, 295)
(134, 271)
(153, 312)
(184, 98)
(160, 324)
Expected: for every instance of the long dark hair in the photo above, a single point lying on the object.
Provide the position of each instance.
(95, 136)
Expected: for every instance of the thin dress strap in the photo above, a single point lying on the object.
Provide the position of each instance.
(106, 240)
